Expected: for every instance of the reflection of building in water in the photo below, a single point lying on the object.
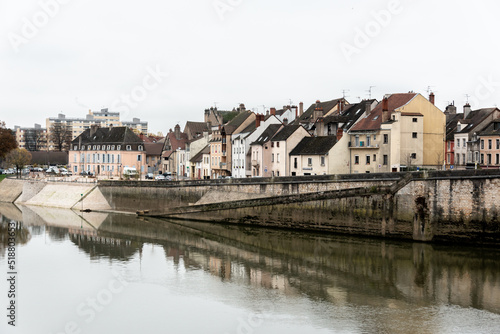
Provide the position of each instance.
(23, 235)
(98, 246)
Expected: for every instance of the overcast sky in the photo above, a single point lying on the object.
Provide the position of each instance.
(166, 61)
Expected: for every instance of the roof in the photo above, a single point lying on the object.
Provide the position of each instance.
(474, 118)
(50, 157)
(175, 143)
(373, 121)
(113, 135)
(327, 106)
(314, 145)
(153, 148)
(268, 133)
(354, 112)
(252, 126)
(237, 121)
(199, 156)
(492, 129)
(286, 132)
(451, 125)
(196, 128)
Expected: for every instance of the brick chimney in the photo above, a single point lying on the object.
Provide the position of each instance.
(385, 109)
(273, 111)
(368, 107)
(257, 120)
(285, 121)
(432, 97)
(301, 108)
(340, 133)
(177, 131)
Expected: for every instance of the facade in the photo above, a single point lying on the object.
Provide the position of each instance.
(489, 140)
(261, 155)
(201, 164)
(107, 152)
(174, 156)
(467, 149)
(137, 125)
(393, 136)
(153, 157)
(311, 156)
(32, 139)
(281, 146)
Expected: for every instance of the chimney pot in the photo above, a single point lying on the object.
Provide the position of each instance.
(432, 97)
(301, 108)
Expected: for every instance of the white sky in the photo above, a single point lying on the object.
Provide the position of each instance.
(261, 52)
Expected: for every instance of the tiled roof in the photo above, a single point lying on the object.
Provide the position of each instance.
(354, 112)
(314, 145)
(115, 135)
(196, 128)
(237, 121)
(327, 106)
(153, 148)
(199, 156)
(374, 119)
(451, 125)
(252, 126)
(474, 118)
(268, 133)
(286, 132)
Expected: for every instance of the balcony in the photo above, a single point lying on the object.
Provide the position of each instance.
(222, 165)
(362, 145)
(224, 153)
(255, 163)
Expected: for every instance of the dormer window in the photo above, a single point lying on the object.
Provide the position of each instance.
(75, 148)
(140, 147)
(119, 147)
(129, 148)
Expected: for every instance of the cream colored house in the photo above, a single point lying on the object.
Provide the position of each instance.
(261, 152)
(108, 152)
(311, 156)
(281, 146)
(403, 131)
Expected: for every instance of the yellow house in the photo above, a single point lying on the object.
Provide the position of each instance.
(403, 131)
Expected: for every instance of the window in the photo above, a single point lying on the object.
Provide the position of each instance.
(272, 157)
(272, 145)
(322, 161)
(277, 157)
(88, 157)
(415, 120)
(386, 138)
(482, 159)
(74, 160)
(75, 148)
(497, 159)
(457, 159)
(498, 144)
(112, 147)
(98, 147)
(414, 155)
(368, 141)
(278, 145)
(108, 147)
(488, 159)
(356, 159)
(386, 159)
(294, 162)
(129, 148)
(414, 135)
(449, 145)
(477, 156)
(367, 159)
(482, 144)
(119, 158)
(464, 142)
(309, 161)
(75, 169)
(458, 143)
(374, 157)
(357, 141)
(140, 147)
(119, 147)
(490, 144)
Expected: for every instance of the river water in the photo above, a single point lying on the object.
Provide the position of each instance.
(110, 273)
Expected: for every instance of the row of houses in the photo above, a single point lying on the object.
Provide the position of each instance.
(401, 132)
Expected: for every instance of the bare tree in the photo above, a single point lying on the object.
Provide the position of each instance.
(35, 139)
(60, 136)
(19, 157)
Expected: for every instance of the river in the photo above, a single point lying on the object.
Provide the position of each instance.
(110, 273)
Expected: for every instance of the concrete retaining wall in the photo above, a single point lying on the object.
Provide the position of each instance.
(10, 190)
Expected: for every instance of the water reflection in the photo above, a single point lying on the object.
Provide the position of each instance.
(339, 271)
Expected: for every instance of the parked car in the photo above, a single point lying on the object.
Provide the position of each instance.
(160, 177)
(149, 176)
(86, 173)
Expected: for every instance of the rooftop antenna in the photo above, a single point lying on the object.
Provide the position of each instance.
(429, 90)
(370, 92)
(467, 98)
(291, 102)
(264, 107)
(359, 98)
(344, 92)
(215, 105)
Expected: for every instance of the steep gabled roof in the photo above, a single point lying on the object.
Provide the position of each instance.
(354, 112)
(268, 133)
(237, 121)
(474, 118)
(252, 126)
(451, 125)
(492, 129)
(286, 132)
(199, 156)
(314, 145)
(326, 106)
(114, 135)
(153, 148)
(373, 121)
(196, 129)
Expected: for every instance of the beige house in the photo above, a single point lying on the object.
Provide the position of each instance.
(108, 152)
(311, 156)
(262, 158)
(281, 146)
(403, 131)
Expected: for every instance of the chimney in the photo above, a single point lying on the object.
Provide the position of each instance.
(257, 120)
(93, 129)
(341, 107)
(431, 97)
(177, 131)
(467, 110)
(242, 107)
(318, 112)
(301, 108)
(320, 128)
(340, 133)
(273, 111)
(385, 109)
(368, 107)
(285, 121)
(295, 109)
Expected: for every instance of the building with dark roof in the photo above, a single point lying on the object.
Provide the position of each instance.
(282, 144)
(311, 156)
(107, 152)
(489, 145)
(261, 151)
(174, 152)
